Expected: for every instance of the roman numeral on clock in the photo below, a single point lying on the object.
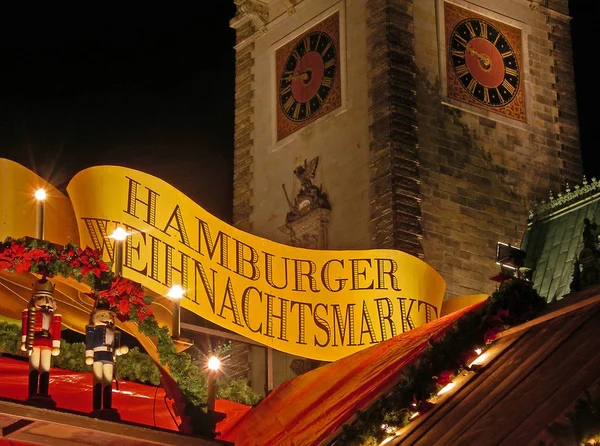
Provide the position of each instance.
(509, 87)
(306, 44)
(483, 29)
(297, 111)
(330, 63)
(500, 98)
(512, 72)
(460, 40)
(458, 53)
(462, 70)
(486, 95)
(288, 104)
(472, 86)
(507, 54)
(286, 90)
(469, 26)
(327, 82)
(326, 49)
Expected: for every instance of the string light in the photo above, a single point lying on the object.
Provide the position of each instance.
(446, 388)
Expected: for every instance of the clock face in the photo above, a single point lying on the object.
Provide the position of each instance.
(307, 76)
(484, 62)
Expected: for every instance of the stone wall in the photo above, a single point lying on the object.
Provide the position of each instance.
(394, 163)
(243, 140)
(479, 172)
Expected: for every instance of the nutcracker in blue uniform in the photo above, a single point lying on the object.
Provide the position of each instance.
(40, 336)
(102, 346)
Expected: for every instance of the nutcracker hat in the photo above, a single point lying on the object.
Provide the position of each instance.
(43, 289)
(43, 286)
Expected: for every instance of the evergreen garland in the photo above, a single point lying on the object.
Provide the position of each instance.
(135, 366)
(126, 299)
(514, 303)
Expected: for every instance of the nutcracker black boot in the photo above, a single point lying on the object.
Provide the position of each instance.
(97, 404)
(33, 383)
(107, 403)
(44, 383)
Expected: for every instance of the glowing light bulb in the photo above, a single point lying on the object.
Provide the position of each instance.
(176, 292)
(214, 363)
(478, 351)
(119, 234)
(40, 195)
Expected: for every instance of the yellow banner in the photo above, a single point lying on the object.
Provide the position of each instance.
(317, 304)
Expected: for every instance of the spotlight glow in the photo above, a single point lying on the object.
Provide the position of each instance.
(40, 195)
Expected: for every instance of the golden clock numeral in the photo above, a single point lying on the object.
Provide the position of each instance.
(326, 49)
(318, 40)
(458, 53)
(319, 98)
(507, 54)
(471, 29)
(286, 90)
(296, 56)
(297, 111)
(306, 44)
(486, 95)
(329, 63)
(472, 86)
(502, 101)
(509, 87)
(327, 82)
(308, 112)
(512, 72)
(483, 29)
(460, 40)
(288, 104)
(496, 39)
(462, 70)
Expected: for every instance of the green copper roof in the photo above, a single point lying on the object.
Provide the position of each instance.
(554, 237)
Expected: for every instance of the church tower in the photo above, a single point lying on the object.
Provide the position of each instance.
(435, 122)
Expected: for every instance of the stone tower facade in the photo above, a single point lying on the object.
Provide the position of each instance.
(406, 164)
(447, 119)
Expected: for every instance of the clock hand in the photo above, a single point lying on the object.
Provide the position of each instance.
(484, 59)
(303, 76)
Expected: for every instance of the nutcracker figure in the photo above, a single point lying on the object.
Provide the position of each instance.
(102, 346)
(40, 336)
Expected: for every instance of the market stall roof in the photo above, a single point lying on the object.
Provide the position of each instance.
(533, 377)
(312, 408)
(147, 416)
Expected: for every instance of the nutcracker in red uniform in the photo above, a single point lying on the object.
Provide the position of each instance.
(40, 336)
(102, 346)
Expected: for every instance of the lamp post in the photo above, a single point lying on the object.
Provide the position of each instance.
(176, 294)
(214, 365)
(40, 196)
(119, 235)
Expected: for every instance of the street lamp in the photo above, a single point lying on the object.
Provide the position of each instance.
(40, 196)
(119, 235)
(176, 293)
(213, 365)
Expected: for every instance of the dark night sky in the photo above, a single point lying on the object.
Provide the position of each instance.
(152, 90)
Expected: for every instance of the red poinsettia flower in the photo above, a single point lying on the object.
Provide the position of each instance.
(445, 377)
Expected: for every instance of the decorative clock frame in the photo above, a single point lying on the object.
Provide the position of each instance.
(514, 106)
(286, 123)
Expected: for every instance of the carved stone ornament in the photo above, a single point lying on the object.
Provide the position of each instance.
(310, 196)
(586, 270)
(255, 10)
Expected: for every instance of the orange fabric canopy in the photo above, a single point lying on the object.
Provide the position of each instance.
(313, 407)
